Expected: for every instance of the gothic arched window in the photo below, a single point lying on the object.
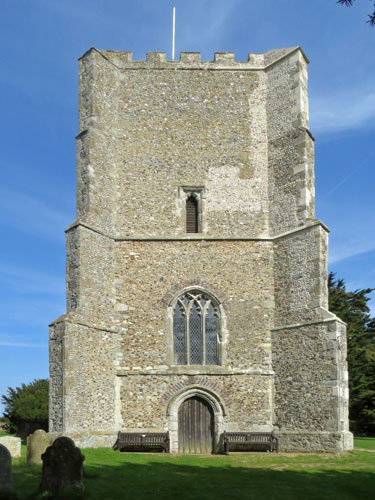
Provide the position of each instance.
(196, 329)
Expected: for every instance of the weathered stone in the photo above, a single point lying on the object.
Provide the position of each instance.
(62, 467)
(13, 444)
(232, 137)
(5, 469)
(37, 443)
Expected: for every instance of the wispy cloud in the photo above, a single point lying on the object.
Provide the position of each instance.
(30, 300)
(31, 282)
(31, 215)
(350, 249)
(31, 339)
(342, 111)
(346, 177)
(22, 344)
(28, 314)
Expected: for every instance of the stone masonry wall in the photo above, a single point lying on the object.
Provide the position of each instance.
(147, 275)
(246, 397)
(241, 273)
(304, 375)
(188, 129)
(96, 170)
(290, 145)
(89, 264)
(90, 362)
(300, 265)
(310, 379)
(56, 376)
(192, 123)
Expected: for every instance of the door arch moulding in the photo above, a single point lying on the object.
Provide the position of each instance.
(207, 395)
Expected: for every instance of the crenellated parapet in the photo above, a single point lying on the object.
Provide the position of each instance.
(221, 60)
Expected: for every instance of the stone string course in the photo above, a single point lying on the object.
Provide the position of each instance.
(238, 132)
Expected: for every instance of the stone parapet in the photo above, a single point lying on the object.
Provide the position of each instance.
(221, 60)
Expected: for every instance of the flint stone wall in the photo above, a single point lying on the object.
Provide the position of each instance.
(145, 399)
(323, 442)
(312, 395)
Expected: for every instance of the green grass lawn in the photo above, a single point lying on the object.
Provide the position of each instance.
(365, 442)
(112, 475)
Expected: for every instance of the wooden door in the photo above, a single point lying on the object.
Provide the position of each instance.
(195, 426)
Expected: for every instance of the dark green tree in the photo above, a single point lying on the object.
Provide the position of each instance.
(349, 3)
(352, 308)
(29, 401)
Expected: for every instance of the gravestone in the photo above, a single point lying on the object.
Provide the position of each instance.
(13, 444)
(5, 469)
(37, 443)
(62, 467)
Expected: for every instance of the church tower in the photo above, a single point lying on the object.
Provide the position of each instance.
(196, 270)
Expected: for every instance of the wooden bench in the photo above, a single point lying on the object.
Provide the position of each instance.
(251, 441)
(142, 441)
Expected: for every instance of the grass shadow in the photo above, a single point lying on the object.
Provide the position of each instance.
(110, 476)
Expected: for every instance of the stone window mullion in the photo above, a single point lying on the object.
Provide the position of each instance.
(204, 333)
(187, 333)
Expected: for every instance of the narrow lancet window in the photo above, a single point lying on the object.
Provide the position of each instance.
(191, 215)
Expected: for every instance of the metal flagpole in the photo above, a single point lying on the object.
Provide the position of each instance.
(173, 31)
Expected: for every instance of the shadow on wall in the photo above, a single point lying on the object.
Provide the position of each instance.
(141, 477)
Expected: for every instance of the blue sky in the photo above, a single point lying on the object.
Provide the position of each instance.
(40, 42)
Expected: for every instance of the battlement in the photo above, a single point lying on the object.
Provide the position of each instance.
(192, 60)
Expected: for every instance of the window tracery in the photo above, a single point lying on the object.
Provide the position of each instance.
(196, 329)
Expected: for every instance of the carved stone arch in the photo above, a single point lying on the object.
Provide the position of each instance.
(222, 331)
(211, 397)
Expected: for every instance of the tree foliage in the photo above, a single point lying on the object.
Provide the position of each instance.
(352, 308)
(349, 3)
(29, 401)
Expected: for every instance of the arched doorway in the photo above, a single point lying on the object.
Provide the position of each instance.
(195, 426)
